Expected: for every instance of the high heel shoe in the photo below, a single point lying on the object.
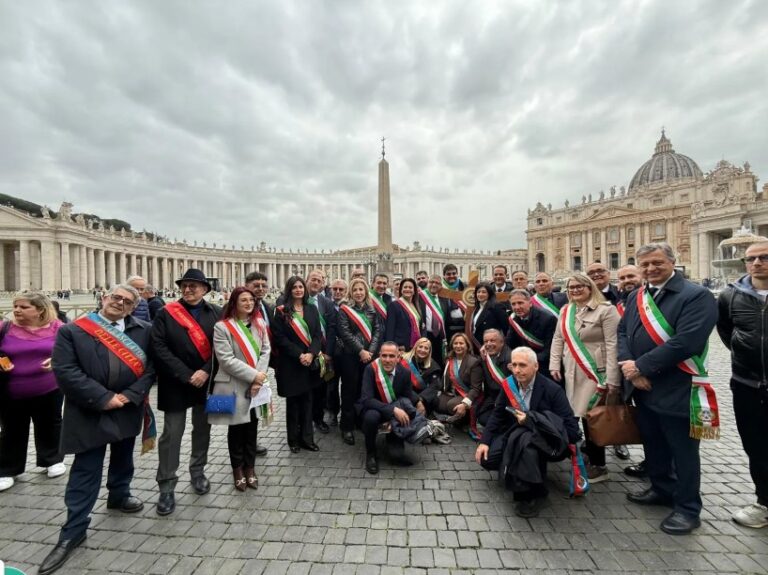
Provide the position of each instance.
(250, 478)
(240, 481)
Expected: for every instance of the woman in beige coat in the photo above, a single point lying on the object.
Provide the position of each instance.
(242, 349)
(594, 337)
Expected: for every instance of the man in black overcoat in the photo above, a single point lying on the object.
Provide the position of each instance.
(103, 405)
(530, 321)
(663, 390)
(182, 336)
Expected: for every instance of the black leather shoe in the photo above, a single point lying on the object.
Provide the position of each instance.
(59, 555)
(166, 504)
(348, 437)
(309, 446)
(649, 497)
(322, 426)
(371, 465)
(261, 451)
(294, 448)
(529, 508)
(679, 524)
(201, 485)
(637, 470)
(621, 452)
(130, 504)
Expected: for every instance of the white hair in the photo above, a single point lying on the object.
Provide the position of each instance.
(528, 352)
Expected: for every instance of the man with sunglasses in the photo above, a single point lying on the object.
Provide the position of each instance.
(101, 365)
(743, 326)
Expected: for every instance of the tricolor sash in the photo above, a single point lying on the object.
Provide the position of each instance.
(417, 380)
(299, 327)
(434, 308)
(180, 314)
(378, 303)
(620, 308)
(530, 340)
(314, 302)
(414, 317)
(704, 412)
(383, 382)
(245, 341)
(545, 304)
(512, 391)
(452, 372)
(117, 342)
(579, 482)
(580, 353)
(360, 320)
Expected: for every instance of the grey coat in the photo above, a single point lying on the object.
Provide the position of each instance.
(234, 374)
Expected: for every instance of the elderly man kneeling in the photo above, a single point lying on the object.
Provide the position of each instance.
(532, 423)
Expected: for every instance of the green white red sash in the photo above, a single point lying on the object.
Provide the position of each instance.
(414, 317)
(620, 308)
(452, 371)
(245, 341)
(704, 411)
(508, 384)
(580, 353)
(360, 320)
(378, 303)
(417, 381)
(432, 304)
(117, 342)
(299, 327)
(383, 383)
(530, 340)
(201, 342)
(314, 302)
(545, 304)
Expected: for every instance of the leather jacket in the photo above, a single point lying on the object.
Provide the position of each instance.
(349, 338)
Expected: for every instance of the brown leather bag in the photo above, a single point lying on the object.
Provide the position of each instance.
(613, 425)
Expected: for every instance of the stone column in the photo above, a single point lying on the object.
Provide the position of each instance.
(25, 276)
(622, 246)
(91, 267)
(122, 275)
(604, 249)
(704, 256)
(3, 287)
(131, 271)
(111, 269)
(66, 282)
(47, 265)
(99, 261)
(155, 271)
(83, 267)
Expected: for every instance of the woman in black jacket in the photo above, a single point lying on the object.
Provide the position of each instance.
(487, 314)
(405, 317)
(359, 332)
(425, 372)
(297, 335)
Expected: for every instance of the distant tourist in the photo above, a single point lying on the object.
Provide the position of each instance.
(61, 315)
(154, 302)
(28, 389)
(142, 308)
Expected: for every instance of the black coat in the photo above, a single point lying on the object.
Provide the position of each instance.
(612, 294)
(398, 326)
(369, 395)
(89, 375)
(491, 317)
(743, 326)
(491, 388)
(691, 311)
(547, 396)
(292, 377)
(268, 312)
(176, 358)
(454, 318)
(542, 325)
(155, 304)
(431, 376)
(350, 340)
(387, 300)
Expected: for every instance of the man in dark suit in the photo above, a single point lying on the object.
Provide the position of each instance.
(544, 288)
(533, 327)
(315, 284)
(599, 274)
(435, 317)
(379, 293)
(540, 394)
(500, 283)
(332, 400)
(101, 365)
(665, 413)
(499, 354)
(182, 336)
(384, 383)
(520, 280)
(258, 283)
(454, 314)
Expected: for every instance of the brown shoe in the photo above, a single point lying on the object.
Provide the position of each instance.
(240, 482)
(250, 478)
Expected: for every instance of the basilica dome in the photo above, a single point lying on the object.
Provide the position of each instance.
(665, 166)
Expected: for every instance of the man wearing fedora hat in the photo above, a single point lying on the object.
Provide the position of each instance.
(182, 335)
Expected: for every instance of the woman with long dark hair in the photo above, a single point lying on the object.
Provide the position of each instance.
(487, 314)
(297, 335)
(405, 317)
(242, 352)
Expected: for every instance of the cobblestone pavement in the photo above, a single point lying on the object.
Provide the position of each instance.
(321, 513)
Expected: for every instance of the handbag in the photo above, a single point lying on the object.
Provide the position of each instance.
(613, 425)
(222, 404)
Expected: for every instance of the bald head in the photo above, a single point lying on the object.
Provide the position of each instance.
(629, 278)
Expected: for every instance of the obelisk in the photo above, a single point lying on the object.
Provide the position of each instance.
(384, 248)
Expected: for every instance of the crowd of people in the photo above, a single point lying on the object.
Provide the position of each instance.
(519, 369)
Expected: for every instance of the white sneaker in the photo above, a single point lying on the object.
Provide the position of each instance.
(57, 470)
(6, 483)
(754, 515)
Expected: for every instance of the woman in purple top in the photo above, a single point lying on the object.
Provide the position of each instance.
(30, 391)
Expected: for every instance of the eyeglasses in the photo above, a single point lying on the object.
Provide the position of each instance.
(191, 286)
(120, 299)
(751, 259)
(576, 288)
(597, 273)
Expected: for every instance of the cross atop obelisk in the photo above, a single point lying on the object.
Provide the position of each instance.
(384, 247)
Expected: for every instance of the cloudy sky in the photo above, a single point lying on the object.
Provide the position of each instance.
(243, 121)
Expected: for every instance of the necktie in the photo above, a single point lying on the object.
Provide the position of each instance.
(313, 300)
(653, 291)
